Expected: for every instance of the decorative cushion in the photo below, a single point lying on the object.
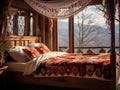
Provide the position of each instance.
(31, 53)
(17, 54)
(34, 44)
(42, 48)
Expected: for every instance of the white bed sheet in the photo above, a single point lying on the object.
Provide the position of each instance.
(16, 66)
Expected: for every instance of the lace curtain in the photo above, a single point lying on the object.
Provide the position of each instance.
(58, 8)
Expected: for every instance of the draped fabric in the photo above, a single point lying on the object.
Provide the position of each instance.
(58, 8)
(6, 7)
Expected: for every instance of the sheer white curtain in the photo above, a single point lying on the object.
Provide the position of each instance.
(58, 8)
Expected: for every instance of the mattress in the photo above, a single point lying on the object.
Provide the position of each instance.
(16, 66)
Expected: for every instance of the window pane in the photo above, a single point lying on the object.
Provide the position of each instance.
(63, 34)
(90, 29)
(21, 25)
(31, 24)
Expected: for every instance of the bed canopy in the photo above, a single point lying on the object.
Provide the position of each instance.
(58, 8)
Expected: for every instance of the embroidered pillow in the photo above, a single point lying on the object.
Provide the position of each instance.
(42, 48)
(34, 44)
(31, 53)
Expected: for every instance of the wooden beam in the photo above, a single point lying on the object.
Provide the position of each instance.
(42, 28)
(35, 25)
(95, 2)
(71, 34)
(55, 36)
(27, 23)
(1, 14)
(21, 5)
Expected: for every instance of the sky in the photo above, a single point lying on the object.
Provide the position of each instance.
(90, 10)
(98, 19)
(96, 15)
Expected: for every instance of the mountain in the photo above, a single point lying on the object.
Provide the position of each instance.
(102, 37)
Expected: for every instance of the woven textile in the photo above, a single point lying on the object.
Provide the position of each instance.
(58, 8)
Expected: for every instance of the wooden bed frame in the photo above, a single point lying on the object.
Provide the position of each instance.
(22, 40)
(70, 82)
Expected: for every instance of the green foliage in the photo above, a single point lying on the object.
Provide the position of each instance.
(4, 46)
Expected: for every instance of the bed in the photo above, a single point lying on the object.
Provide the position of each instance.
(62, 69)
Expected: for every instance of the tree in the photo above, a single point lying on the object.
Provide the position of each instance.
(117, 29)
(87, 32)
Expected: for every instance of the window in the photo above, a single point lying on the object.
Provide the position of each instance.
(89, 31)
(63, 34)
(31, 24)
(21, 25)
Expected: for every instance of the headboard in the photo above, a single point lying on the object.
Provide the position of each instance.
(22, 40)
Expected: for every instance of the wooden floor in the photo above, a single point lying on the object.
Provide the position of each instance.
(118, 87)
(34, 87)
(18, 86)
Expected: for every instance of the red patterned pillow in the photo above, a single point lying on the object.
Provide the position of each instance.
(42, 48)
(31, 53)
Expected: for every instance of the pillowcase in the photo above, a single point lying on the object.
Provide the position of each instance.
(17, 54)
(34, 44)
(42, 48)
(31, 53)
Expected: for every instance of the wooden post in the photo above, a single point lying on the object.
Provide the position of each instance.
(35, 25)
(71, 34)
(15, 24)
(1, 14)
(55, 35)
(27, 23)
(48, 34)
(42, 28)
(112, 28)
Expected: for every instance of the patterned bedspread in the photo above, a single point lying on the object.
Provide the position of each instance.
(76, 65)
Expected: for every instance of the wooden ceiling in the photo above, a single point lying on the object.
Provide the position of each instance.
(20, 4)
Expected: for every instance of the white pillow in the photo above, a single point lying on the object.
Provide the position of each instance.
(34, 44)
(17, 53)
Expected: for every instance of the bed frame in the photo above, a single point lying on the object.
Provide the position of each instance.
(22, 40)
(69, 82)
